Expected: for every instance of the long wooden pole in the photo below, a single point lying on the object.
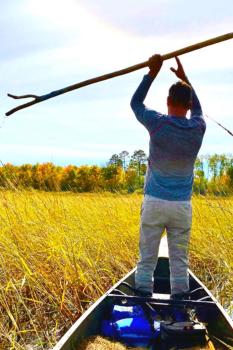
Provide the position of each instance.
(37, 99)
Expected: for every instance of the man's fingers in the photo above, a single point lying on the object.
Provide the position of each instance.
(156, 57)
(178, 62)
(173, 69)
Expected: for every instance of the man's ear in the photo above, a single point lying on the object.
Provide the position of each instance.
(168, 101)
(190, 105)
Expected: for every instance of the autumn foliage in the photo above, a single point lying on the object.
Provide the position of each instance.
(213, 174)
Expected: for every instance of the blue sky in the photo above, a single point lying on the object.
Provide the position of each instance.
(49, 44)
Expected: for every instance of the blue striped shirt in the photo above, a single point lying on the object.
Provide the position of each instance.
(173, 148)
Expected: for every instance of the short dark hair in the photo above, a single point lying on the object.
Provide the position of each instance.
(180, 93)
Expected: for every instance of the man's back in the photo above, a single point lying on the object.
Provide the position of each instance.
(174, 144)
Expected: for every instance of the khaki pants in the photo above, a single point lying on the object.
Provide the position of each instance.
(156, 216)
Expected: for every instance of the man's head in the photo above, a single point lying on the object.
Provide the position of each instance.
(179, 98)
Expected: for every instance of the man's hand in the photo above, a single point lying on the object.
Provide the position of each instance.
(179, 72)
(155, 63)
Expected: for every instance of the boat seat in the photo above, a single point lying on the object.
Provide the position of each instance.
(161, 296)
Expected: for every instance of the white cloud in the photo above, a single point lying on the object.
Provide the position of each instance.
(101, 112)
(85, 154)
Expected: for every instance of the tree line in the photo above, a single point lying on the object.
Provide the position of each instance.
(122, 173)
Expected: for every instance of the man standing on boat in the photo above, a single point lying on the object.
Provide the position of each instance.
(174, 144)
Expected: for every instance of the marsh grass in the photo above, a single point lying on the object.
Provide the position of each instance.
(59, 252)
(99, 343)
(212, 244)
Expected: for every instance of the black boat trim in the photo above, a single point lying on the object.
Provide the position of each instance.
(137, 299)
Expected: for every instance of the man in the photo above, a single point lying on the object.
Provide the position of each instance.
(174, 144)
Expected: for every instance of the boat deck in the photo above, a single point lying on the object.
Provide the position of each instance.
(207, 309)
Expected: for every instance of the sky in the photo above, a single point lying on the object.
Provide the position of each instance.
(49, 44)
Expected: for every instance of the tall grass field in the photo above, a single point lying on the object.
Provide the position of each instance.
(61, 251)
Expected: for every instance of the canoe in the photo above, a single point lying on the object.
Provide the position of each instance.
(207, 309)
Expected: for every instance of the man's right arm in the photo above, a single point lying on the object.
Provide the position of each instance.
(142, 113)
(138, 98)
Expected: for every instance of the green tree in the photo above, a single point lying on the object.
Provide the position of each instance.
(200, 181)
(213, 165)
(230, 173)
(138, 160)
(115, 160)
(123, 157)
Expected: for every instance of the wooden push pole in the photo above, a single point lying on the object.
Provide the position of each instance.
(37, 99)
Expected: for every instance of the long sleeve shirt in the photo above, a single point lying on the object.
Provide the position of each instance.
(173, 148)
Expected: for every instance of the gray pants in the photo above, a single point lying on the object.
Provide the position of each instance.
(156, 216)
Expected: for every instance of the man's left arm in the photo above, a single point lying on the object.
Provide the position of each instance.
(196, 110)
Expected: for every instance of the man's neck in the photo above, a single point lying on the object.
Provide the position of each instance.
(177, 112)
